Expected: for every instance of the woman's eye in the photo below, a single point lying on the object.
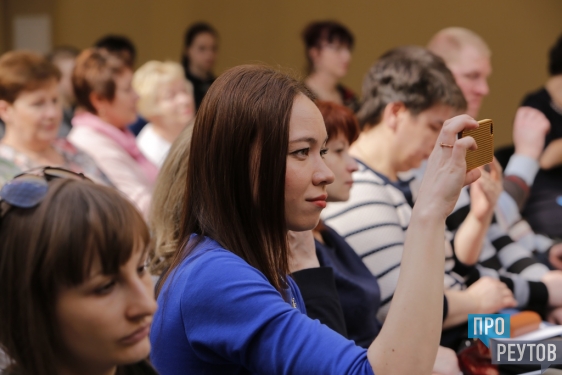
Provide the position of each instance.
(302, 152)
(142, 269)
(105, 288)
(323, 152)
(339, 151)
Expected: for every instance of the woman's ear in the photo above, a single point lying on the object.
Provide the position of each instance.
(5, 114)
(97, 102)
(314, 54)
(392, 113)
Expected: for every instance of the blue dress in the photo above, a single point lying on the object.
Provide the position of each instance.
(219, 315)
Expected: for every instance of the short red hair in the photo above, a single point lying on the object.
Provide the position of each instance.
(95, 72)
(339, 120)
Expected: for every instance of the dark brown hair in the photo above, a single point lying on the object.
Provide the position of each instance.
(555, 58)
(95, 72)
(411, 75)
(190, 34)
(24, 71)
(315, 33)
(52, 246)
(235, 190)
(339, 120)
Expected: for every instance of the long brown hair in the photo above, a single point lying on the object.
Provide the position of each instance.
(52, 246)
(235, 190)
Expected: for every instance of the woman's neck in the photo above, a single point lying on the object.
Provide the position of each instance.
(35, 150)
(554, 88)
(374, 149)
(199, 72)
(323, 84)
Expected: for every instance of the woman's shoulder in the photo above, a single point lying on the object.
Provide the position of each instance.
(209, 263)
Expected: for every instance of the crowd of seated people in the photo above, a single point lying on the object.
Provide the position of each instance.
(166, 221)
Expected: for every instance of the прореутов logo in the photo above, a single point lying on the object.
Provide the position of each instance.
(494, 331)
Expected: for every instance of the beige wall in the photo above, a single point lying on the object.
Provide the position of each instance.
(518, 32)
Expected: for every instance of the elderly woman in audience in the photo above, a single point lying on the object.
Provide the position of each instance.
(76, 295)
(107, 104)
(166, 100)
(254, 124)
(328, 46)
(199, 54)
(31, 108)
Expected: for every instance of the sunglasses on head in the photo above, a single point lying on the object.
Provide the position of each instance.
(28, 189)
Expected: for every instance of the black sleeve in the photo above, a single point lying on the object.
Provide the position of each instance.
(320, 296)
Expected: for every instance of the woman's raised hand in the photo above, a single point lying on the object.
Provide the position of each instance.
(446, 170)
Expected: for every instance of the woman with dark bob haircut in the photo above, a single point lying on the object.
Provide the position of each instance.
(328, 46)
(76, 295)
(256, 171)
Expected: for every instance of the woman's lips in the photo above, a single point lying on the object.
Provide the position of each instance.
(136, 336)
(320, 201)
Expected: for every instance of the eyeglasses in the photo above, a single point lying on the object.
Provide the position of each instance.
(28, 189)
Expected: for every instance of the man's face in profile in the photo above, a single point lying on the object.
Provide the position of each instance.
(471, 70)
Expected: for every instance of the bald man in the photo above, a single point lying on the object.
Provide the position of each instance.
(468, 57)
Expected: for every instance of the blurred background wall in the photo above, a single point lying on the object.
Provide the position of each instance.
(519, 33)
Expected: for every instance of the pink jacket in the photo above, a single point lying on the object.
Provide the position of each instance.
(116, 154)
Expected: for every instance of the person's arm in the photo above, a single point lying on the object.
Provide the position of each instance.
(484, 195)
(485, 296)
(552, 155)
(529, 131)
(413, 325)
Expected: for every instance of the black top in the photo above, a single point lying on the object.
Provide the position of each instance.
(200, 87)
(543, 210)
(320, 297)
(358, 289)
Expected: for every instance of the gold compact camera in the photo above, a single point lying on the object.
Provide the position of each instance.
(484, 137)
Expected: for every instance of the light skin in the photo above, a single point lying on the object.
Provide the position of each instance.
(306, 175)
(33, 121)
(202, 54)
(330, 64)
(400, 142)
(420, 287)
(105, 321)
(175, 109)
(472, 68)
(121, 111)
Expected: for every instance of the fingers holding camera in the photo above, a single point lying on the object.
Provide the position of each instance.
(446, 169)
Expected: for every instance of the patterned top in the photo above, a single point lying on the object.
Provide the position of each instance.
(13, 162)
(374, 222)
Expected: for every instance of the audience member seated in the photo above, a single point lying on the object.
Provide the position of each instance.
(166, 100)
(468, 56)
(328, 46)
(76, 295)
(255, 123)
(107, 104)
(64, 58)
(200, 47)
(408, 94)
(31, 109)
(544, 207)
(120, 46)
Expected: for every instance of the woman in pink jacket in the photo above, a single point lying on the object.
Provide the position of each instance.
(107, 103)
